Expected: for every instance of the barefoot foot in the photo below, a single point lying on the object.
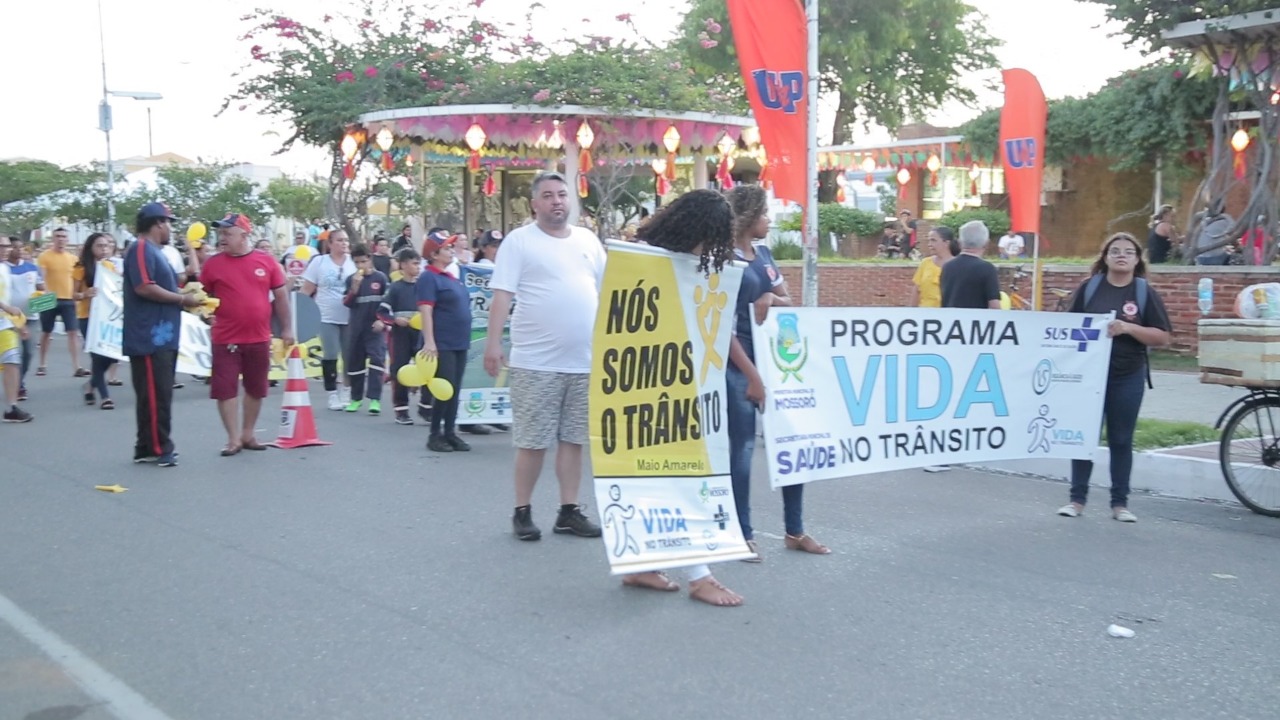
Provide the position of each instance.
(651, 581)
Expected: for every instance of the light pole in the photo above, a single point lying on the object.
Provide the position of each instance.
(104, 122)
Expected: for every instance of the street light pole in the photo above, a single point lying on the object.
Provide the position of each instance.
(104, 124)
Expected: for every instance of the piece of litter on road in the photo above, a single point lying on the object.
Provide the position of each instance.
(110, 488)
(1117, 631)
(1224, 576)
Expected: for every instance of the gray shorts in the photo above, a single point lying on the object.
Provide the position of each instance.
(333, 338)
(548, 406)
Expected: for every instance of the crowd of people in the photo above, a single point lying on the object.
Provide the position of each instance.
(371, 298)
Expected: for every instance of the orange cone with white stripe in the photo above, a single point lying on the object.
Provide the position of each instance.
(297, 422)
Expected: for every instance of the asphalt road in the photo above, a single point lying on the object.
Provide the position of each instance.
(373, 579)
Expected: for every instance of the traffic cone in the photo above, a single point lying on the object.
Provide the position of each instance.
(297, 423)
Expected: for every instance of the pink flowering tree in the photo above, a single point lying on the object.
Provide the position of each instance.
(321, 76)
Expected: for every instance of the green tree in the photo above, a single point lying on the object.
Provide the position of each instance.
(26, 180)
(1145, 20)
(208, 192)
(301, 200)
(1158, 111)
(885, 61)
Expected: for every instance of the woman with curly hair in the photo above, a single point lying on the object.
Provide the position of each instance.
(762, 288)
(698, 223)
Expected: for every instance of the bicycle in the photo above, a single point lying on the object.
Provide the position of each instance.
(1017, 302)
(1249, 451)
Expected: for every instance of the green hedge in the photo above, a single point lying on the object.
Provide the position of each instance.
(841, 220)
(997, 221)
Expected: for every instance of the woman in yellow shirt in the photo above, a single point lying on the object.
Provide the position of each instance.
(926, 286)
(97, 248)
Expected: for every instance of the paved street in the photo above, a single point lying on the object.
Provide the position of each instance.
(372, 579)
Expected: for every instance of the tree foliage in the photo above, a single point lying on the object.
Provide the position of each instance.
(886, 61)
(1145, 20)
(997, 221)
(25, 180)
(300, 200)
(1158, 111)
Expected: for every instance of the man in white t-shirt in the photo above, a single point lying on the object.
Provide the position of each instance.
(325, 279)
(556, 269)
(1011, 245)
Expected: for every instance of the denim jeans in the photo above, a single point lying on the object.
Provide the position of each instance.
(1120, 411)
(26, 360)
(742, 445)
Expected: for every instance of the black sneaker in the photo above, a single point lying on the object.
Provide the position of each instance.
(437, 443)
(16, 414)
(476, 429)
(22, 394)
(424, 412)
(522, 524)
(457, 443)
(571, 521)
(149, 459)
(402, 417)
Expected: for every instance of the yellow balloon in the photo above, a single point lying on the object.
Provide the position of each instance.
(195, 243)
(440, 388)
(1005, 302)
(428, 365)
(415, 322)
(197, 231)
(411, 376)
(303, 252)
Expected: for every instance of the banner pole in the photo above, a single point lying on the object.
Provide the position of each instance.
(810, 296)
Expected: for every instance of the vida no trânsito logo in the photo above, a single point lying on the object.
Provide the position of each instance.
(790, 351)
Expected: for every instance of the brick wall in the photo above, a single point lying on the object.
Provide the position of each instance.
(889, 285)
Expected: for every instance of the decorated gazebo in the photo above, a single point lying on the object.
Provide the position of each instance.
(496, 149)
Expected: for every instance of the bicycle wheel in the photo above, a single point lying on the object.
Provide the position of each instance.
(1250, 456)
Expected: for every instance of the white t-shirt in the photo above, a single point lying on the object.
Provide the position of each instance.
(558, 282)
(175, 259)
(331, 283)
(1011, 245)
(5, 323)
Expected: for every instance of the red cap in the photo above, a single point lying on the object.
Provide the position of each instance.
(235, 220)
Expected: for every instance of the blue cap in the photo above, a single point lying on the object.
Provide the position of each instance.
(156, 210)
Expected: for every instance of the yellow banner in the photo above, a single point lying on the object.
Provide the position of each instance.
(659, 429)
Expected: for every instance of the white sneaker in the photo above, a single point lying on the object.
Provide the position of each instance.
(344, 392)
(1124, 515)
(1069, 510)
(936, 468)
(335, 401)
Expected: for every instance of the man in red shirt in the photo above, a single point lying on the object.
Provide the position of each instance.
(248, 284)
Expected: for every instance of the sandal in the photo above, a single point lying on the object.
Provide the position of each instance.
(230, 450)
(751, 545)
(252, 445)
(81, 372)
(651, 581)
(710, 591)
(108, 404)
(805, 543)
(115, 383)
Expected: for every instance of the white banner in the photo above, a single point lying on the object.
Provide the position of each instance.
(864, 390)
(659, 427)
(106, 327)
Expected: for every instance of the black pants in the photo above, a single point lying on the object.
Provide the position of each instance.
(444, 413)
(402, 344)
(153, 387)
(365, 357)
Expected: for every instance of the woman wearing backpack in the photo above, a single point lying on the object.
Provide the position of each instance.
(1118, 283)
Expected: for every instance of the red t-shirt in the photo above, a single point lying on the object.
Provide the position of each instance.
(244, 286)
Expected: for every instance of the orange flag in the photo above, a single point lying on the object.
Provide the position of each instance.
(1022, 124)
(772, 44)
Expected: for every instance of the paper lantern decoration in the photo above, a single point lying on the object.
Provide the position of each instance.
(662, 186)
(904, 177)
(585, 136)
(1239, 143)
(490, 185)
(751, 136)
(934, 164)
(475, 138)
(350, 146)
(384, 140)
(671, 141)
(869, 167)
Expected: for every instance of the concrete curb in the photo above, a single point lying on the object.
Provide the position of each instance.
(1155, 472)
